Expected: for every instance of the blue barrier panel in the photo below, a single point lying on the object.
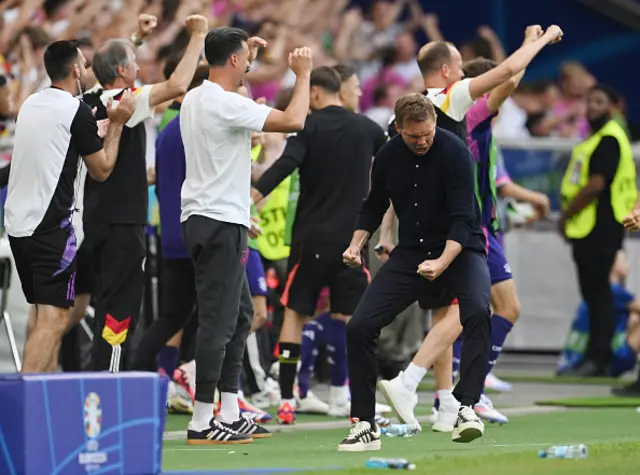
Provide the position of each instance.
(79, 423)
(538, 170)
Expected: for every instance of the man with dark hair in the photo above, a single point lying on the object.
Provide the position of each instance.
(115, 213)
(336, 144)
(350, 91)
(39, 225)
(216, 125)
(598, 192)
(427, 173)
(178, 279)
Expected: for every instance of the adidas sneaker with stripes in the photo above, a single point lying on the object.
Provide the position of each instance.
(217, 433)
(248, 427)
(362, 438)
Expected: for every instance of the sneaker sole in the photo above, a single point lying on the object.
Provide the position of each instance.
(371, 447)
(382, 386)
(464, 436)
(439, 427)
(260, 436)
(218, 442)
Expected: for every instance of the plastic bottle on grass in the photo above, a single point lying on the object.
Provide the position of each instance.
(395, 464)
(400, 430)
(565, 452)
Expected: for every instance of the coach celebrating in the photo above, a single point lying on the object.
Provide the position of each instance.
(427, 173)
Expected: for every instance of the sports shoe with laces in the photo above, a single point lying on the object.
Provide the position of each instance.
(362, 438)
(216, 433)
(400, 398)
(286, 414)
(468, 426)
(248, 427)
(485, 411)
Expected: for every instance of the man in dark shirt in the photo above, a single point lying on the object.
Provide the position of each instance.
(598, 190)
(427, 174)
(116, 211)
(334, 153)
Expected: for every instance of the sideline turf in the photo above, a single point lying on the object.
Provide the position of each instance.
(594, 402)
(512, 449)
(552, 379)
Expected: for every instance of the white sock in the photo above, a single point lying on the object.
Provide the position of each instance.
(290, 401)
(202, 415)
(229, 409)
(412, 377)
(447, 399)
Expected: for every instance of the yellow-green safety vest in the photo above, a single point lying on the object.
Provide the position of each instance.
(623, 188)
(270, 243)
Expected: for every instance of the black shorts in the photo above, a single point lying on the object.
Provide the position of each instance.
(443, 298)
(314, 266)
(46, 265)
(85, 273)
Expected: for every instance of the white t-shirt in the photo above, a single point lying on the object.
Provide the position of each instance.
(511, 123)
(455, 100)
(216, 128)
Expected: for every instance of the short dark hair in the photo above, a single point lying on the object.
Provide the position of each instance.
(201, 74)
(415, 108)
(3, 80)
(608, 91)
(85, 42)
(434, 57)
(380, 92)
(478, 66)
(345, 71)
(326, 78)
(221, 43)
(114, 53)
(171, 64)
(59, 57)
(284, 98)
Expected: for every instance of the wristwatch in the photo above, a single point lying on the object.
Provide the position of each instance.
(136, 41)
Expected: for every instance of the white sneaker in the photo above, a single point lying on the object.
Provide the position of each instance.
(178, 401)
(401, 400)
(468, 426)
(361, 438)
(382, 408)
(269, 396)
(495, 383)
(485, 410)
(311, 405)
(446, 418)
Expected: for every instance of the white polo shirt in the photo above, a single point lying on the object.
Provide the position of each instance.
(216, 128)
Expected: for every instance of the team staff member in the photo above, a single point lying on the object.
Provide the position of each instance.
(427, 173)
(216, 125)
(598, 190)
(336, 144)
(116, 211)
(39, 225)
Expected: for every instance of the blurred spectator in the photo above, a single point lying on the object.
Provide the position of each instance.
(570, 109)
(384, 100)
(386, 75)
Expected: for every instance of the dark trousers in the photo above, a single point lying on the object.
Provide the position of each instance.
(118, 252)
(178, 301)
(593, 262)
(219, 251)
(396, 286)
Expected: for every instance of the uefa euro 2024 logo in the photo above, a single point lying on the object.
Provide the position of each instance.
(92, 415)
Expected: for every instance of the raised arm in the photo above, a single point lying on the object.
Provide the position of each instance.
(291, 158)
(292, 119)
(179, 81)
(498, 95)
(514, 64)
(101, 160)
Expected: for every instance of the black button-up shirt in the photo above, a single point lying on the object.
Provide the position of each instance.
(433, 195)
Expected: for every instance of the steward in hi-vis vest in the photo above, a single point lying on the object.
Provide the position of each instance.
(598, 190)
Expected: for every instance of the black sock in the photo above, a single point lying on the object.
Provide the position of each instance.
(289, 357)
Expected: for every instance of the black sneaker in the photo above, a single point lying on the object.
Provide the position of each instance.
(248, 427)
(362, 438)
(217, 433)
